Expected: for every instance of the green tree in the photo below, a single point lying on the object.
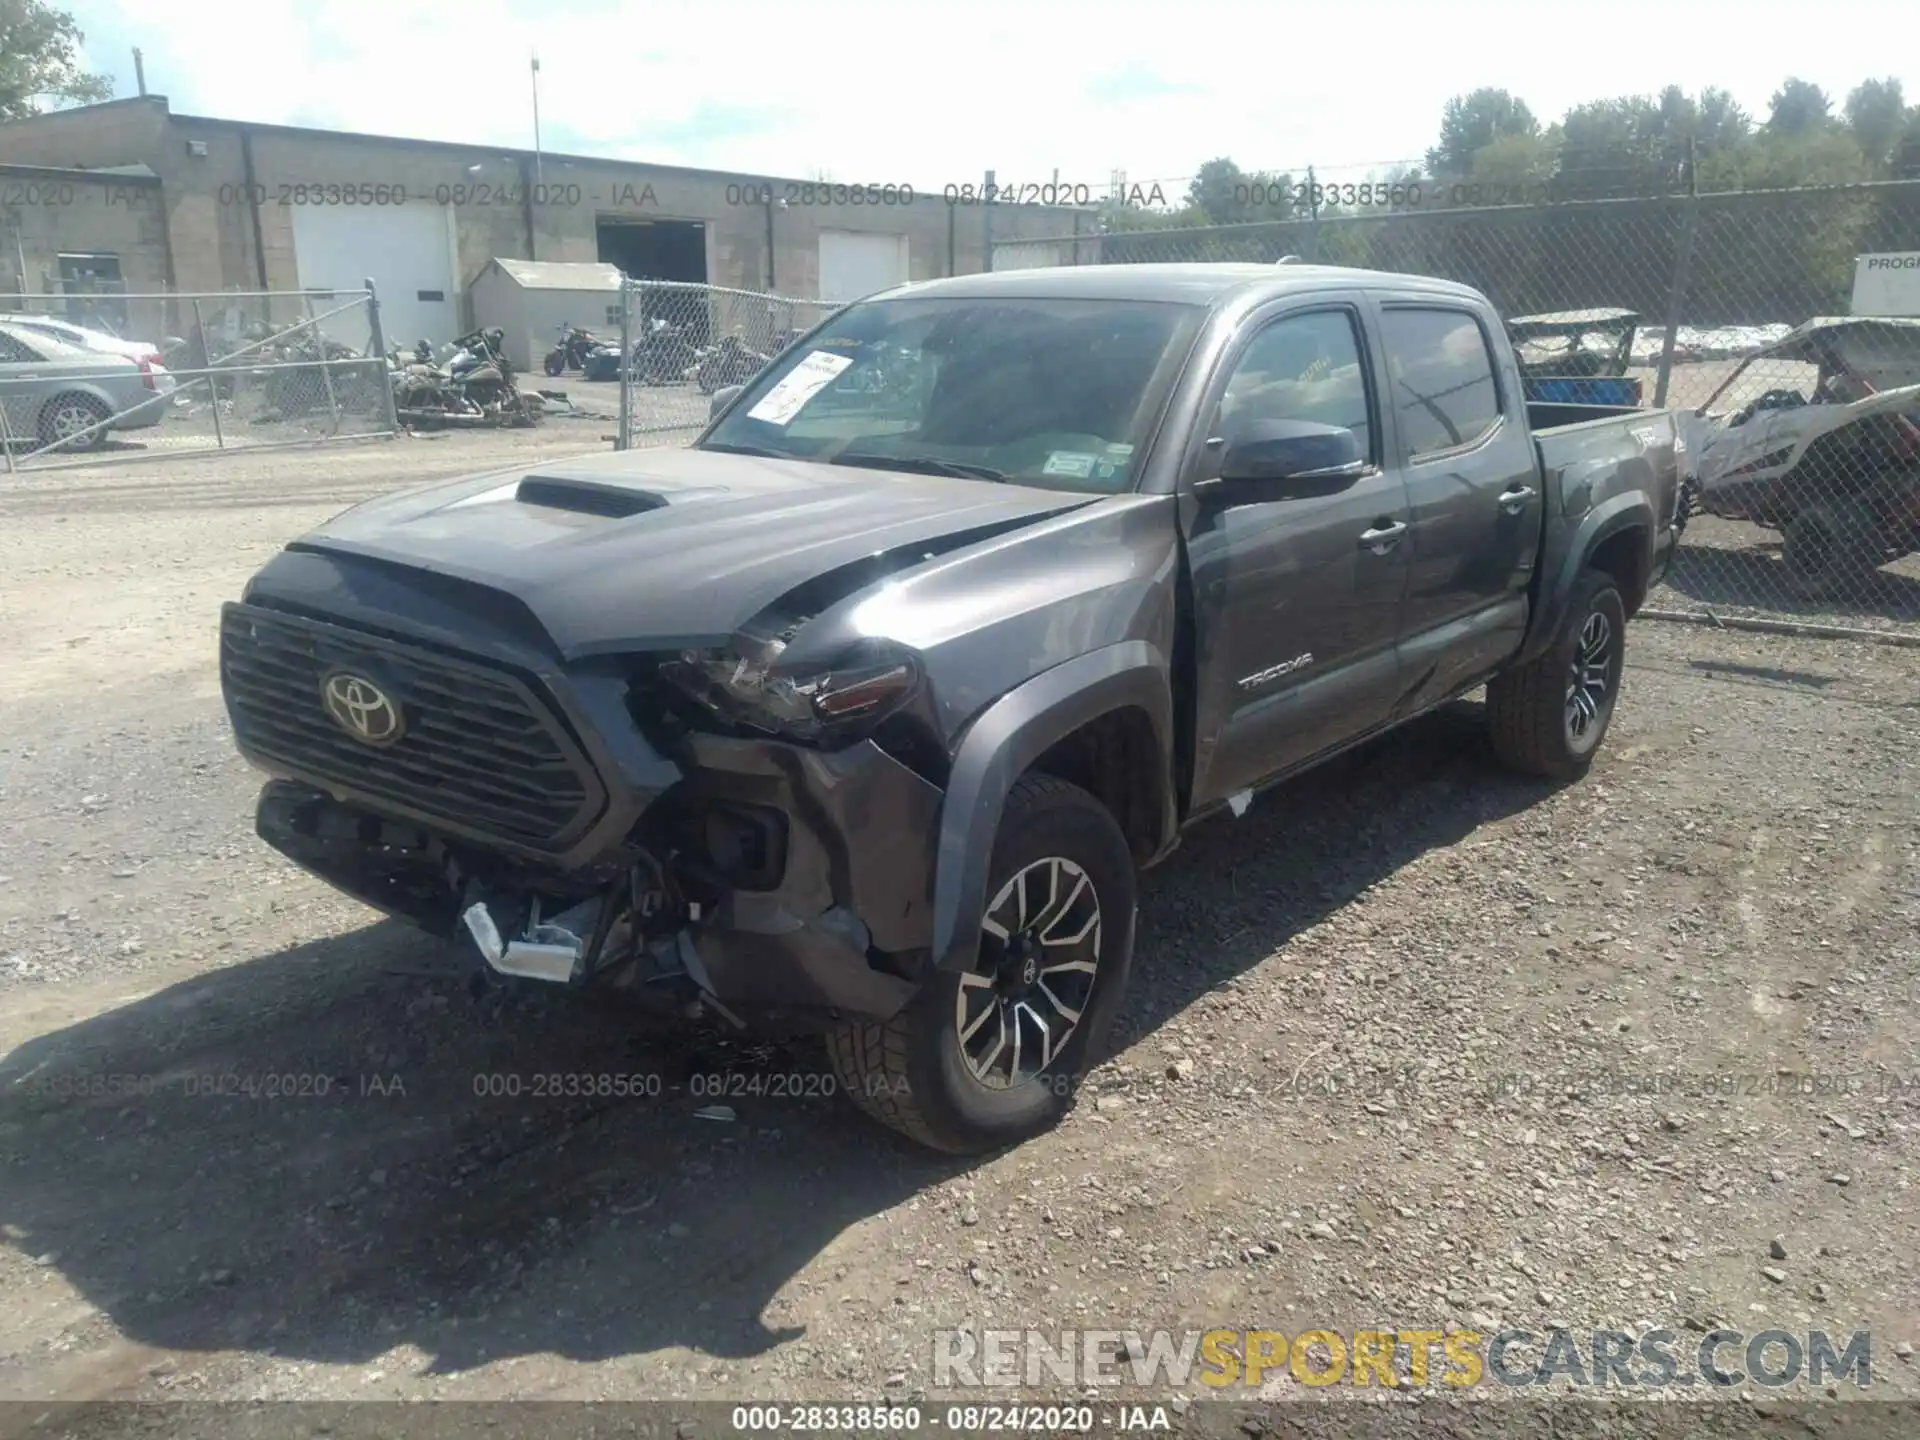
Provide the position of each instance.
(1639, 145)
(1905, 162)
(1221, 193)
(39, 60)
(1784, 162)
(1473, 121)
(1798, 107)
(1877, 115)
(1512, 163)
(1614, 147)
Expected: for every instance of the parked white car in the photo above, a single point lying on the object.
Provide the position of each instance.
(80, 337)
(58, 395)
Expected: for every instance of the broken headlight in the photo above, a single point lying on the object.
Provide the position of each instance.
(745, 684)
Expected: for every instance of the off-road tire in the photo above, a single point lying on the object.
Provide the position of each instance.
(908, 1072)
(1527, 708)
(1830, 550)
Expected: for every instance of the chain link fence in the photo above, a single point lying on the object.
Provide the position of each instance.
(682, 343)
(1803, 459)
(85, 377)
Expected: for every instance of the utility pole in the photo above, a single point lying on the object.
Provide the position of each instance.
(539, 185)
(536, 120)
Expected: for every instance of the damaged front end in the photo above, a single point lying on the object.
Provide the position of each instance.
(713, 833)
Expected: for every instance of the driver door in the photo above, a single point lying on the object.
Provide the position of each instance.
(1298, 591)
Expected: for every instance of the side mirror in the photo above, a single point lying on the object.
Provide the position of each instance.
(1299, 450)
(722, 399)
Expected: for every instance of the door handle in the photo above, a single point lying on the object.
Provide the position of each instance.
(1382, 538)
(1514, 500)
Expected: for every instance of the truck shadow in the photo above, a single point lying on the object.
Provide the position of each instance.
(335, 1150)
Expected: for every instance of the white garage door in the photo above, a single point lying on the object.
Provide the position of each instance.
(853, 265)
(406, 249)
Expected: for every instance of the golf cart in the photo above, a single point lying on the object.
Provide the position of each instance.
(1837, 472)
(1577, 357)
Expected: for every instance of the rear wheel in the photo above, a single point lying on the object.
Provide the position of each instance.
(66, 420)
(992, 1054)
(1549, 716)
(1830, 550)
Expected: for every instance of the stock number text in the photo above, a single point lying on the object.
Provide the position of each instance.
(818, 192)
(1285, 195)
(790, 1418)
(604, 1085)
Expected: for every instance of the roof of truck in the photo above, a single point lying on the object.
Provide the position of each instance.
(1193, 284)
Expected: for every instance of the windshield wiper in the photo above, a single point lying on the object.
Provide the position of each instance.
(925, 464)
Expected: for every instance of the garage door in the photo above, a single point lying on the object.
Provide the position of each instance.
(853, 265)
(406, 249)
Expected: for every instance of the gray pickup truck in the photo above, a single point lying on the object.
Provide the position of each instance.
(860, 715)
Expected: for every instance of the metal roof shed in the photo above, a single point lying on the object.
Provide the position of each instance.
(532, 299)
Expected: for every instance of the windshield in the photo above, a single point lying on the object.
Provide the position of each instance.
(1055, 393)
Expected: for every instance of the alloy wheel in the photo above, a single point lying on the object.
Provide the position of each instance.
(70, 421)
(1590, 678)
(1039, 954)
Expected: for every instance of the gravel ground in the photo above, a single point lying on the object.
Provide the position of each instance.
(1388, 1059)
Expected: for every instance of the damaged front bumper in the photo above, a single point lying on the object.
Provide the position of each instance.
(773, 885)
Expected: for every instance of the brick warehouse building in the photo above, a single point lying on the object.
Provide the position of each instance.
(128, 195)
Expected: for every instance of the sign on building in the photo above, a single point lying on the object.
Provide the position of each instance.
(1887, 284)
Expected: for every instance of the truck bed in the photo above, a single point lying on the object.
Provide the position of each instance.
(1597, 463)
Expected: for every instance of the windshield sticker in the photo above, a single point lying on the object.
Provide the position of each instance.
(1069, 462)
(799, 385)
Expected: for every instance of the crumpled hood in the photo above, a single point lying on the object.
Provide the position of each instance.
(658, 549)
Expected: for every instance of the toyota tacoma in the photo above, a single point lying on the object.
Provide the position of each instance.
(860, 715)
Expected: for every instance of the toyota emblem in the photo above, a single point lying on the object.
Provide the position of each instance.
(362, 709)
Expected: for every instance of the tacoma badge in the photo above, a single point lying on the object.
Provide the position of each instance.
(1261, 677)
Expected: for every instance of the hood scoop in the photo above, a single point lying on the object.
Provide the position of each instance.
(588, 497)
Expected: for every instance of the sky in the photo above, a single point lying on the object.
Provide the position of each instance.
(889, 94)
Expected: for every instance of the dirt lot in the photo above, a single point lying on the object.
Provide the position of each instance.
(1375, 1071)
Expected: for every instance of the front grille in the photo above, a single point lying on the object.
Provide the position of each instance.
(481, 754)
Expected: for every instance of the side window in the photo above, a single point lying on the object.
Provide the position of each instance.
(1442, 377)
(12, 352)
(1303, 367)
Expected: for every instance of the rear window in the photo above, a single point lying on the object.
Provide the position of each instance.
(15, 350)
(1441, 373)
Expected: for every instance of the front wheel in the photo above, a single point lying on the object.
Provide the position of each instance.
(1549, 716)
(992, 1054)
(556, 363)
(1831, 551)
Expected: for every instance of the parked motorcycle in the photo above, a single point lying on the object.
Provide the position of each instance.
(664, 354)
(294, 381)
(475, 385)
(575, 350)
(729, 362)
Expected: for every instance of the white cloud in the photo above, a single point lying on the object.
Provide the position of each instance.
(879, 92)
